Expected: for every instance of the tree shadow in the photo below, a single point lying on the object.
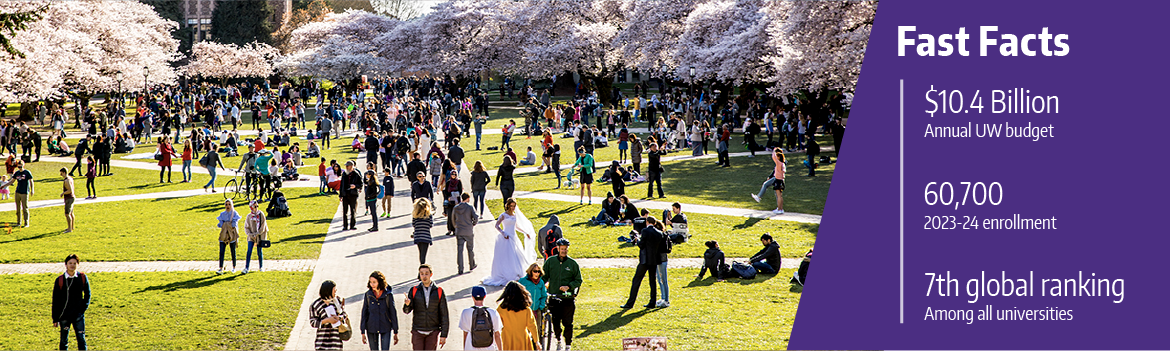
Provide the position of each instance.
(374, 250)
(614, 321)
(696, 283)
(190, 284)
(302, 237)
(570, 209)
(315, 221)
(208, 207)
(35, 237)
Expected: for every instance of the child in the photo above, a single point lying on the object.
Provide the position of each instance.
(388, 189)
(4, 187)
(90, 174)
(321, 173)
(713, 259)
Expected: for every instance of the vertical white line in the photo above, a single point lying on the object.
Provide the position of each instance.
(901, 201)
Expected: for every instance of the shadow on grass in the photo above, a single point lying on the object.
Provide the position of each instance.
(751, 222)
(698, 283)
(302, 237)
(316, 221)
(190, 284)
(35, 237)
(208, 207)
(760, 278)
(614, 321)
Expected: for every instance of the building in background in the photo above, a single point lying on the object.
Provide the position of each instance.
(197, 14)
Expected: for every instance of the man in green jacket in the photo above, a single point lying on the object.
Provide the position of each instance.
(564, 282)
(584, 165)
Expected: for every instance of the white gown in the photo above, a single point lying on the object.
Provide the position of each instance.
(513, 254)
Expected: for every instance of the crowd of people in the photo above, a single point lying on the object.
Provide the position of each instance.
(412, 128)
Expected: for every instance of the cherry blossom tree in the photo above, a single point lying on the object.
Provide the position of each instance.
(570, 36)
(460, 38)
(649, 38)
(78, 47)
(339, 48)
(822, 45)
(225, 61)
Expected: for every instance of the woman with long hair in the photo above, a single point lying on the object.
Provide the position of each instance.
(519, 331)
(504, 177)
(379, 317)
(534, 282)
(479, 182)
(422, 222)
(326, 314)
(188, 154)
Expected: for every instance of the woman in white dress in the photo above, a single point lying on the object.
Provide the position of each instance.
(515, 246)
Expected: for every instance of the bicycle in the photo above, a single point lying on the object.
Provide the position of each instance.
(545, 329)
(233, 189)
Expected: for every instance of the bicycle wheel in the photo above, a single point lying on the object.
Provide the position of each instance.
(547, 333)
(229, 190)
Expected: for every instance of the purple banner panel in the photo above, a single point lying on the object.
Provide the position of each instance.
(1002, 185)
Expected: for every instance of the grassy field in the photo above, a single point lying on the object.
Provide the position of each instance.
(737, 236)
(161, 311)
(703, 314)
(701, 182)
(125, 181)
(162, 230)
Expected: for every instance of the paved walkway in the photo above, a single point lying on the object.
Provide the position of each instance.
(662, 205)
(154, 266)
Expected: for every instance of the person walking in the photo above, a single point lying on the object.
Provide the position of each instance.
(210, 160)
(481, 325)
(555, 154)
(387, 191)
(479, 182)
(24, 189)
(228, 235)
(428, 303)
(422, 222)
(71, 296)
(379, 315)
(351, 186)
(256, 229)
(564, 279)
(165, 152)
(504, 177)
(326, 314)
(67, 195)
(655, 171)
(465, 219)
(649, 257)
(519, 330)
(90, 176)
(372, 198)
(534, 282)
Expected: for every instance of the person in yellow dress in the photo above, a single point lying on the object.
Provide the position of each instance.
(519, 331)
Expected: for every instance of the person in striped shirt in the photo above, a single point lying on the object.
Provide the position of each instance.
(422, 221)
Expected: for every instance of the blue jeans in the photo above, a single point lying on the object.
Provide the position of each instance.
(79, 330)
(662, 284)
(478, 136)
(259, 255)
(767, 184)
(812, 165)
(764, 268)
(381, 340)
(211, 183)
(324, 186)
(478, 197)
(186, 170)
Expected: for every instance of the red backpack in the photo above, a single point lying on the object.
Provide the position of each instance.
(414, 292)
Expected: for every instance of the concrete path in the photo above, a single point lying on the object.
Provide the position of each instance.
(155, 266)
(662, 205)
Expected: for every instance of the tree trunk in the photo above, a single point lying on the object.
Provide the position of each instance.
(27, 111)
(603, 84)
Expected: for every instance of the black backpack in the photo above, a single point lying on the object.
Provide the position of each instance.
(481, 328)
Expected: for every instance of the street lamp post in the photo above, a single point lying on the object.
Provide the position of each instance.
(691, 90)
(662, 87)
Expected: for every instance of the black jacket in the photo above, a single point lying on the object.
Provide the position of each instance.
(713, 258)
(413, 168)
(455, 154)
(351, 178)
(650, 246)
(70, 297)
(372, 190)
(423, 189)
(372, 145)
(432, 316)
(770, 254)
(479, 181)
(379, 315)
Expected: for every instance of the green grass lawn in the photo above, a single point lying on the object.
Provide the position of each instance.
(125, 181)
(162, 230)
(701, 182)
(156, 311)
(737, 236)
(703, 315)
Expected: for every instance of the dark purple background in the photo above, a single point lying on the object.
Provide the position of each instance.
(1103, 177)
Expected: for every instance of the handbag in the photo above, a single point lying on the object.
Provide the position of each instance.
(344, 330)
(265, 244)
(158, 156)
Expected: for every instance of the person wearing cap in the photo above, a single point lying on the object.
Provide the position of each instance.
(256, 229)
(430, 323)
(564, 279)
(467, 321)
(351, 187)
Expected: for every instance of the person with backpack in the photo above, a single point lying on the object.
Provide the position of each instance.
(481, 325)
(71, 297)
(209, 161)
(564, 280)
(379, 317)
(519, 331)
(548, 235)
(429, 326)
(767, 261)
(649, 257)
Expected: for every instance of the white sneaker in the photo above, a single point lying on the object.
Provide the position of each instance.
(662, 304)
(233, 270)
(568, 348)
(755, 197)
(220, 271)
(779, 211)
(245, 271)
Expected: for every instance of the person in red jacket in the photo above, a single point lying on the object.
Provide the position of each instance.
(165, 152)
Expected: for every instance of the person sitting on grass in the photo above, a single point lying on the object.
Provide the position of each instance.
(767, 261)
(638, 224)
(713, 260)
(610, 211)
(529, 159)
